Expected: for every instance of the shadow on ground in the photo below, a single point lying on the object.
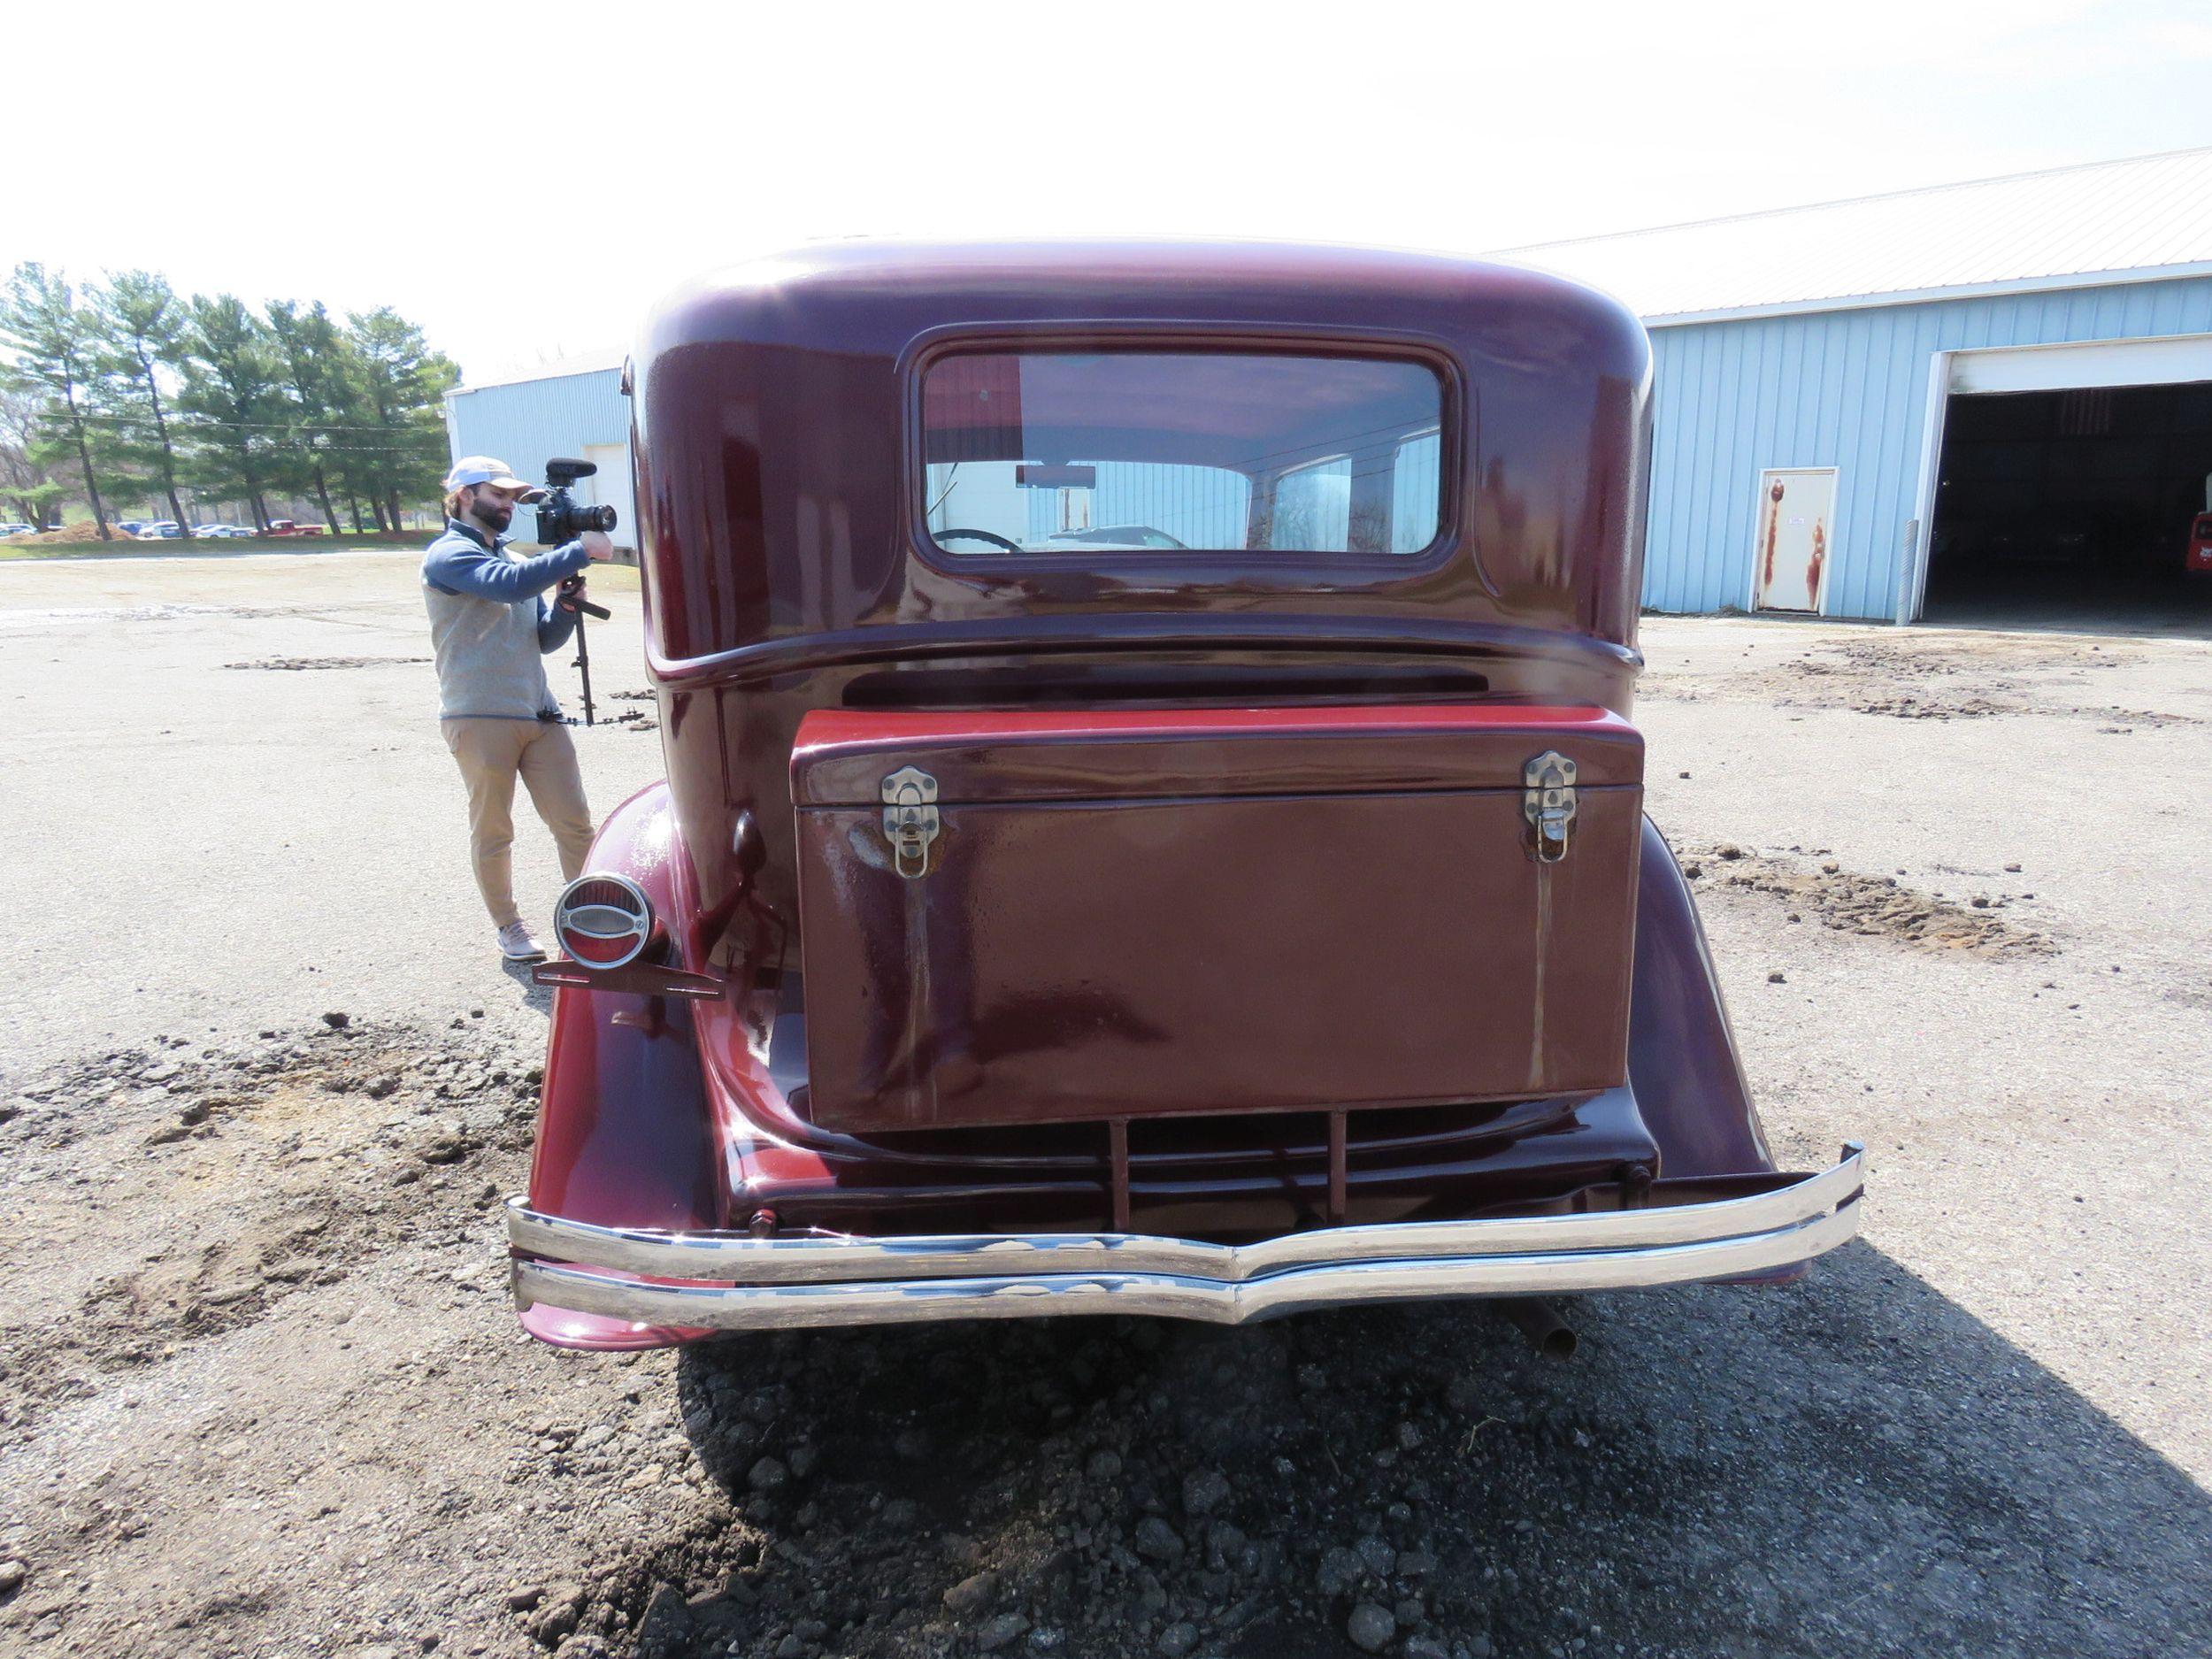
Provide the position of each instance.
(1851, 1464)
(534, 995)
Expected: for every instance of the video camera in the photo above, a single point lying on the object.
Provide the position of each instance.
(561, 517)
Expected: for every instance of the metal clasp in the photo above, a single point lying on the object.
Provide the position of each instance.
(1547, 802)
(910, 820)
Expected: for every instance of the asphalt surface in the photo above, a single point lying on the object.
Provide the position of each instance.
(260, 1392)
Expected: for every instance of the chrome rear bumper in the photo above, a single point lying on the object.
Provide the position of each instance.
(724, 1281)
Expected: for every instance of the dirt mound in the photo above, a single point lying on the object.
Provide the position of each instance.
(299, 1156)
(1909, 677)
(66, 535)
(1879, 907)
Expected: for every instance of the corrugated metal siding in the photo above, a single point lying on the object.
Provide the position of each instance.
(1847, 389)
(525, 423)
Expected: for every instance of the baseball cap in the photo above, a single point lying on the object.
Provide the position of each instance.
(481, 469)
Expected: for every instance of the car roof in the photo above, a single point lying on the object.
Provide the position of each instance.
(818, 295)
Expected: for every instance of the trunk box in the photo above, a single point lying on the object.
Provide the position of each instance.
(1036, 917)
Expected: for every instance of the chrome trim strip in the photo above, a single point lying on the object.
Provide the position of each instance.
(811, 1282)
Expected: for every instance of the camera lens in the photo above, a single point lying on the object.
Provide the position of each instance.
(562, 518)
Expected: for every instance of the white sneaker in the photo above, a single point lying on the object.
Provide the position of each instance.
(516, 945)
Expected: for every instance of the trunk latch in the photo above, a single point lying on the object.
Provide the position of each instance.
(1547, 802)
(910, 820)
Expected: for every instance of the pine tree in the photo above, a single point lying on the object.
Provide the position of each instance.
(141, 337)
(402, 388)
(53, 342)
(319, 379)
(233, 392)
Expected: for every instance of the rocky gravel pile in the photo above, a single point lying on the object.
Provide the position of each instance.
(1337, 1485)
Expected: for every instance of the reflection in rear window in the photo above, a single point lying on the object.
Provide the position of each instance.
(1087, 453)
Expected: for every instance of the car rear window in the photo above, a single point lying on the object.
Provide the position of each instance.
(1086, 455)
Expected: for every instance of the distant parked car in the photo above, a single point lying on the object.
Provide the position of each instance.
(17, 529)
(285, 527)
(219, 531)
(161, 530)
(132, 526)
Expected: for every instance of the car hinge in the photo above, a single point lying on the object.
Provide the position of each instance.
(910, 820)
(1547, 802)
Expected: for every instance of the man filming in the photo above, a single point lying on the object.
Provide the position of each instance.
(490, 626)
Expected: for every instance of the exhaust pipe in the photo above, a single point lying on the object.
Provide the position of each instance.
(1546, 1333)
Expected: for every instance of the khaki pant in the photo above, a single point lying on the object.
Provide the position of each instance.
(492, 754)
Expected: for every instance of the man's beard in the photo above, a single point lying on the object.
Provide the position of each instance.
(497, 518)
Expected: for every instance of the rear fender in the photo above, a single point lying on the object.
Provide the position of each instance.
(625, 1135)
(1682, 1060)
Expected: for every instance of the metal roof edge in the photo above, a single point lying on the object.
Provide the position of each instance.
(608, 361)
(1922, 297)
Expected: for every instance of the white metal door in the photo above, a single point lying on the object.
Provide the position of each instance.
(1790, 556)
(610, 487)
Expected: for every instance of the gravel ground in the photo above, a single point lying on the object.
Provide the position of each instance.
(264, 1082)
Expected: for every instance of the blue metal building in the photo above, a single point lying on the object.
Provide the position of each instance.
(1846, 356)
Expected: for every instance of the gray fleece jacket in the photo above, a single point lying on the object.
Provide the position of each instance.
(490, 626)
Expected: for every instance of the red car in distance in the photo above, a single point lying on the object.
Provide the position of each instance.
(285, 526)
(1152, 820)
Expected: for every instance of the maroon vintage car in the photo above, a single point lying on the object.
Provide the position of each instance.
(1152, 821)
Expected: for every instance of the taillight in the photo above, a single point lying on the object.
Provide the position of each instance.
(603, 921)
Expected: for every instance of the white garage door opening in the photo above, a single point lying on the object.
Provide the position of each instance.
(2060, 483)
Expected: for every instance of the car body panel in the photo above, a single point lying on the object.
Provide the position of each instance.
(1130, 914)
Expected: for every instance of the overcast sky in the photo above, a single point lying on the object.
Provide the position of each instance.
(528, 190)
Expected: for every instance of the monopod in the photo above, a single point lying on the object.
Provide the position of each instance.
(570, 601)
